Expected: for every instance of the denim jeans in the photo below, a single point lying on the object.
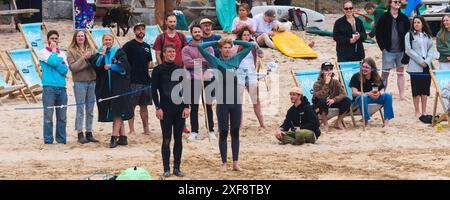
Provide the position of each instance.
(85, 99)
(384, 99)
(54, 96)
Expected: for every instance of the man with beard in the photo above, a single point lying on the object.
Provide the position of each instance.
(191, 54)
(208, 35)
(140, 58)
(301, 124)
(170, 36)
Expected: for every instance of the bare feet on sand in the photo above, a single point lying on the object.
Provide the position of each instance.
(236, 166)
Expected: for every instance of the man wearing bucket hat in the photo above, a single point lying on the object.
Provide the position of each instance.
(301, 124)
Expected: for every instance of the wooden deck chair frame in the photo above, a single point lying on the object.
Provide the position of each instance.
(438, 99)
(33, 90)
(15, 84)
(332, 112)
(92, 41)
(354, 108)
(35, 54)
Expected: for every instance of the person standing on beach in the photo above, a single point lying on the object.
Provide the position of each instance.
(54, 69)
(443, 43)
(419, 47)
(172, 115)
(140, 58)
(113, 80)
(390, 34)
(208, 35)
(163, 8)
(199, 78)
(229, 103)
(83, 75)
(170, 36)
(349, 34)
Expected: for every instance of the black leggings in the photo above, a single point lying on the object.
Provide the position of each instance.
(343, 105)
(172, 119)
(229, 117)
(195, 101)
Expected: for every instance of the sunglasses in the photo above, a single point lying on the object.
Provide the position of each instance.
(348, 8)
(327, 68)
(399, 2)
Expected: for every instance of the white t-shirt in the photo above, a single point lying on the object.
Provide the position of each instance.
(238, 23)
(262, 26)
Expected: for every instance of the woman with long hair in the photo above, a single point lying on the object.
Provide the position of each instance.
(443, 43)
(83, 75)
(419, 48)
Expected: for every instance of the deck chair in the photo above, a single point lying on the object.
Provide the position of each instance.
(7, 89)
(95, 36)
(440, 79)
(346, 70)
(151, 32)
(24, 71)
(34, 36)
(306, 79)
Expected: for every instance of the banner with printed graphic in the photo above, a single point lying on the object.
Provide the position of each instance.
(83, 14)
(33, 33)
(23, 59)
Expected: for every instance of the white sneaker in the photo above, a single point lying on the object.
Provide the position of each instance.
(212, 136)
(192, 136)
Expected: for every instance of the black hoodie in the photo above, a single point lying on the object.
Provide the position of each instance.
(302, 116)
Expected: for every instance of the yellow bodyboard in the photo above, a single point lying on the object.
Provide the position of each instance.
(293, 46)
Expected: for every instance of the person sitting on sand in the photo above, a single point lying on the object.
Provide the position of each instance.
(329, 93)
(265, 26)
(301, 124)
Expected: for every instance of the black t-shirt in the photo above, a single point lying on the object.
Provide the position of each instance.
(367, 85)
(139, 56)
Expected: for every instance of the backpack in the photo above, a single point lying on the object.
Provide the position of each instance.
(299, 17)
(405, 59)
(161, 37)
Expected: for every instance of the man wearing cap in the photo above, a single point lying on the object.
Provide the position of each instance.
(301, 124)
(162, 9)
(265, 27)
(208, 36)
(140, 59)
(329, 93)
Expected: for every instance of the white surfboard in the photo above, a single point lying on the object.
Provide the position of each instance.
(315, 19)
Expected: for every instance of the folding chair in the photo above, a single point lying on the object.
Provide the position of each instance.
(346, 70)
(24, 70)
(306, 79)
(7, 89)
(34, 35)
(440, 79)
(95, 36)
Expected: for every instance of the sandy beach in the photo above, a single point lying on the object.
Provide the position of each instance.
(408, 149)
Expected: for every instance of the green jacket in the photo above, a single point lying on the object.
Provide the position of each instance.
(443, 47)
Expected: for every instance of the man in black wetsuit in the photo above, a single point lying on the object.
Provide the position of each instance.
(171, 112)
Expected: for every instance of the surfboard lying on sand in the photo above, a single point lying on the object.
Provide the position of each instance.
(293, 46)
(321, 32)
(315, 19)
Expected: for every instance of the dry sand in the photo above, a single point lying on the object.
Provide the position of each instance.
(408, 149)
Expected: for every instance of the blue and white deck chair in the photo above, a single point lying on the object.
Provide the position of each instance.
(151, 32)
(95, 36)
(306, 79)
(34, 35)
(25, 70)
(7, 89)
(346, 70)
(441, 80)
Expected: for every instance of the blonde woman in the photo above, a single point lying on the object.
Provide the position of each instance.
(83, 75)
(113, 80)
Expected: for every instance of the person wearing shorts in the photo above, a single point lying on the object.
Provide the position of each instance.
(139, 57)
